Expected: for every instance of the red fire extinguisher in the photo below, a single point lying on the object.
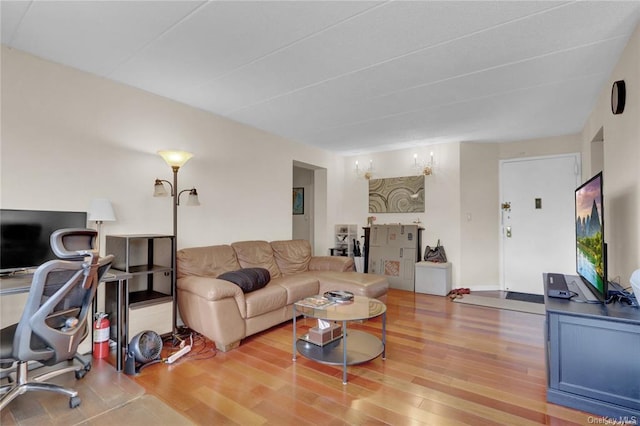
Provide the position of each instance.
(101, 336)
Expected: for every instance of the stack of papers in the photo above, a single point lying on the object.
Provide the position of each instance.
(317, 302)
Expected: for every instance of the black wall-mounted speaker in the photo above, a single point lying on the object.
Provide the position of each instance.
(618, 96)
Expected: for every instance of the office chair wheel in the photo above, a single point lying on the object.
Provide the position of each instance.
(81, 372)
(74, 401)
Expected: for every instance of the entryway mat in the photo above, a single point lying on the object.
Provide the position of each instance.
(525, 297)
(499, 303)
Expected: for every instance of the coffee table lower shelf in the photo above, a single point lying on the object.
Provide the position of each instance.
(361, 347)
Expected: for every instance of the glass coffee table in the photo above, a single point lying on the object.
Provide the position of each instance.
(355, 346)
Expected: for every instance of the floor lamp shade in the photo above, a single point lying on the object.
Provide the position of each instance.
(175, 158)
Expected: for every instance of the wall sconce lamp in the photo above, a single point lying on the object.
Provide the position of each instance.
(367, 174)
(175, 159)
(423, 168)
(100, 210)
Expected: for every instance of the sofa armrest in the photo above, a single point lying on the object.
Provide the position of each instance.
(331, 263)
(209, 288)
(214, 308)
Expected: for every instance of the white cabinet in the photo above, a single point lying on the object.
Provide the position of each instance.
(433, 278)
(393, 252)
(345, 240)
(592, 357)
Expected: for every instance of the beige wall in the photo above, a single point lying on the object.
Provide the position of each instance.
(68, 136)
(621, 156)
(479, 199)
(461, 199)
(540, 147)
(621, 147)
(442, 194)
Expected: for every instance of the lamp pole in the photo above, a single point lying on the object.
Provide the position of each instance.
(175, 159)
(174, 264)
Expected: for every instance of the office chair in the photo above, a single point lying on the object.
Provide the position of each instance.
(54, 320)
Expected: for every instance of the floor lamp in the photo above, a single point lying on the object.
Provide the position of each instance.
(175, 159)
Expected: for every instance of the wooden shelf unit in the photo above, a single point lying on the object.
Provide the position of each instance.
(148, 302)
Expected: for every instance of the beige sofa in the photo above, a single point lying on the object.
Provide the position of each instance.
(222, 312)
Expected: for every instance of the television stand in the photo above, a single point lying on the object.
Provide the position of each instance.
(592, 356)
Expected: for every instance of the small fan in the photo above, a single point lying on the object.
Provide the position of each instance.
(144, 350)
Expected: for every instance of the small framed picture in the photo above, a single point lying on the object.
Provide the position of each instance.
(298, 200)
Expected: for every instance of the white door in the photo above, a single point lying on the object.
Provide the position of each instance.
(537, 225)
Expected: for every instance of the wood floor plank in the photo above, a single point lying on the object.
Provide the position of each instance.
(228, 407)
(447, 364)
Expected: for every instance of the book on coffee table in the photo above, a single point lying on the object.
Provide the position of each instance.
(317, 302)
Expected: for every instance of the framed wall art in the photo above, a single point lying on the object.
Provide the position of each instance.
(397, 195)
(298, 200)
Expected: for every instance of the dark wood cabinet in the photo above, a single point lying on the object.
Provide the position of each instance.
(593, 357)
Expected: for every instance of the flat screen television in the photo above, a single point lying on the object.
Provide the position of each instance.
(591, 249)
(24, 236)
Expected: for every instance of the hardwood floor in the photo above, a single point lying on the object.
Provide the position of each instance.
(447, 364)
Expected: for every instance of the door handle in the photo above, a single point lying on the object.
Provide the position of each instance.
(508, 232)
(504, 207)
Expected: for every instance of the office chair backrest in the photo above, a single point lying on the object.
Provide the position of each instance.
(54, 320)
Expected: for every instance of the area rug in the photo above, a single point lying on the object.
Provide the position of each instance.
(108, 398)
(499, 303)
(525, 297)
(145, 410)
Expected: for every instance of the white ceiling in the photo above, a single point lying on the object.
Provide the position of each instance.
(348, 76)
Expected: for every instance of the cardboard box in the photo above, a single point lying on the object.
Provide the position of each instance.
(321, 337)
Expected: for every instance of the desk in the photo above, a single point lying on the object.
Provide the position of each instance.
(338, 251)
(14, 291)
(15, 284)
(21, 283)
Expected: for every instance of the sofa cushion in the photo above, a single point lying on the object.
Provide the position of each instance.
(360, 284)
(256, 254)
(208, 261)
(332, 263)
(272, 297)
(292, 256)
(298, 286)
(248, 279)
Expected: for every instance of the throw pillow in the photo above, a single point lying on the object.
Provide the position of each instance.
(248, 279)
